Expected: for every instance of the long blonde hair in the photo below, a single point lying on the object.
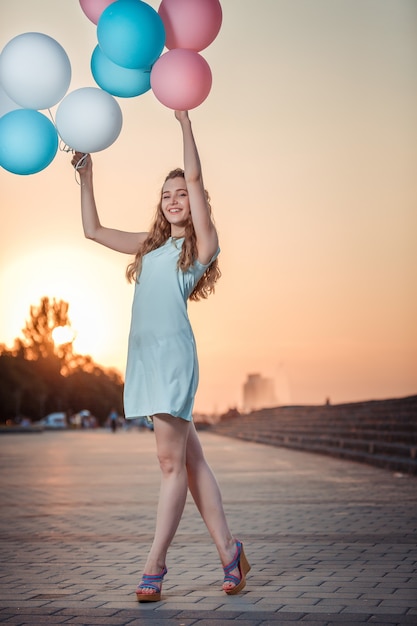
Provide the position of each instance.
(160, 232)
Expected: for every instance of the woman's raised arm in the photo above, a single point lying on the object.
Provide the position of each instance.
(207, 240)
(119, 240)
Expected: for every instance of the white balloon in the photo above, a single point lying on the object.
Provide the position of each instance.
(6, 103)
(35, 70)
(89, 119)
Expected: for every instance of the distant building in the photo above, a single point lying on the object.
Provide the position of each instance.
(258, 393)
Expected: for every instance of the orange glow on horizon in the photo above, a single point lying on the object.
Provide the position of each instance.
(308, 145)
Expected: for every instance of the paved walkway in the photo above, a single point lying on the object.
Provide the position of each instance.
(330, 541)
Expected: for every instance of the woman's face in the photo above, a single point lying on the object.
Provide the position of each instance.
(175, 204)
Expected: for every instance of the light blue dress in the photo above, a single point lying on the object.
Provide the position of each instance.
(162, 365)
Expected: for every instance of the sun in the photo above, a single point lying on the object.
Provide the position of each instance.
(62, 335)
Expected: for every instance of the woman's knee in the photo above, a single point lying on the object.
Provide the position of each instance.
(171, 463)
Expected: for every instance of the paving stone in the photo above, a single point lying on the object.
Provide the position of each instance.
(329, 541)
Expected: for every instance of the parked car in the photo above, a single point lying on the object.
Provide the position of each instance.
(54, 420)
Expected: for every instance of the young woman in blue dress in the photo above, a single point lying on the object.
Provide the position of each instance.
(175, 261)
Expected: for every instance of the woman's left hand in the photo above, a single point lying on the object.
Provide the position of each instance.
(181, 115)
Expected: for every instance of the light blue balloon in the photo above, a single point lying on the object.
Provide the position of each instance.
(28, 141)
(117, 80)
(131, 34)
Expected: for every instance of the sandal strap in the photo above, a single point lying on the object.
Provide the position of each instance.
(235, 564)
(230, 578)
(151, 581)
(146, 585)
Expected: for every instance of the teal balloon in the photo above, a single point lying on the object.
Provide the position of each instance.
(117, 80)
(28, 141)
(131, 34)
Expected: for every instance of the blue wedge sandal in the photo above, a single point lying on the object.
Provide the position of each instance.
(241, 563)
(151, 582)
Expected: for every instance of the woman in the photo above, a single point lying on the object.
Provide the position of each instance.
(175, 261)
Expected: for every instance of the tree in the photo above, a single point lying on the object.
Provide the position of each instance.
(39, 375)
(39, 342)
(22, 389)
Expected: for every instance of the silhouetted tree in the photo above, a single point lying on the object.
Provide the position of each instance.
(43, 319)
(96, 390)
(22, 388)
(38, 376)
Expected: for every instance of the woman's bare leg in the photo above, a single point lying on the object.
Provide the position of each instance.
(207, 497)
(171, 441)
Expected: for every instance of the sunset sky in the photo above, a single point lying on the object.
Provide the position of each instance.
(308, 142)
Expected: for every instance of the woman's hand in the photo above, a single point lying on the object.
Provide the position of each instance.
(181, 115)
(82, 163)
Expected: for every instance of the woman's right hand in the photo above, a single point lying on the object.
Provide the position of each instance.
(82, 163)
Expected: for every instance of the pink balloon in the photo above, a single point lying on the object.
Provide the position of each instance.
(191, 24)
(94, 8)
(181, 79)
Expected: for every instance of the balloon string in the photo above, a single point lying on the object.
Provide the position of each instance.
(52, 117)
(78, 166)
(53, 122)
(63, 147)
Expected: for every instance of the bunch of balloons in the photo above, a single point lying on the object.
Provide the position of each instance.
(181, 78)
(131, 36)
(35, 73)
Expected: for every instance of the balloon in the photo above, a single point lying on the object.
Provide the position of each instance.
(131, 34)
(6, 103)
(117, 80)
(181, 79)
(191, 24)
(89, 119)
(94, 8)
(35, 70)
(28, 141)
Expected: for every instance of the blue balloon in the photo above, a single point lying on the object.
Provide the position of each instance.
(131, 34)
(117, 80)
(28, 141)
